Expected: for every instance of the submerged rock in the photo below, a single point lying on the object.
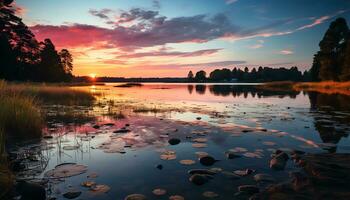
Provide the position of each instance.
(231, 155)
(207, 160)
(279, 161)
(122, 131)
(72, 194)
(200, 179)
(174, 141)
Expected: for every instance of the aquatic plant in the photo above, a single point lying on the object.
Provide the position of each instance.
(19, 116)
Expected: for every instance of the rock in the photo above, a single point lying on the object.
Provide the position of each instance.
(199, 179)
(31, 190)
(207, 160)
(160, 167)
(122, 131)
(109, 124)
(72, 194)
(174, 141)
(201, 171)
(250, 189)
(279, 161)
(264, 178)
(135, 197)
(231, 155)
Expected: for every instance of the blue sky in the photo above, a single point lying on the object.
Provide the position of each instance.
(168, 37)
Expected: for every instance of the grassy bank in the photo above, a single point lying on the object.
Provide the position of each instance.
(329, 87)
(48, 94)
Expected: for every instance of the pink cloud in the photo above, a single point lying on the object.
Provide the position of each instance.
(286, 52)
(204, 52)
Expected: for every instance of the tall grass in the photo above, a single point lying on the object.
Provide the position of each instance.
(19, 116)
(328, 87)
(50, 94)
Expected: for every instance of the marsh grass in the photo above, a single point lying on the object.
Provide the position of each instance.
(328, 87)
(19, 116)
(49, 94)
(127, 85)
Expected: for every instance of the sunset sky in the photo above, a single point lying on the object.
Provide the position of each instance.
(167, 38)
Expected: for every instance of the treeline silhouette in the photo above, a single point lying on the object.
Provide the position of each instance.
(332, 61)
(262, 74)
(23, 58)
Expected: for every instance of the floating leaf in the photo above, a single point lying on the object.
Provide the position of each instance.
(100, 188)
(176, 197)
(159, 191)
(199, 145)
(200, 140)
(252, 155)
(71, 147)
(88, 183)
(168, 155)
(201, 154)
(210, 194)
(267, 143)
(187, 162)
(66, 170)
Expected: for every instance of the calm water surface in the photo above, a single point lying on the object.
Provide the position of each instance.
(250, 122)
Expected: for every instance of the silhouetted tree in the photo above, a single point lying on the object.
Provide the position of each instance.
(330, 62)
(201, 76)
(22, 57)
(190, 76)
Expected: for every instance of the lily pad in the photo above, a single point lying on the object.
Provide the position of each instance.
(135, 197)
(100, 188)
(66, 170)
(199, 145)
(159, 191)
(187, 162)
(210, 194)
(176, 197)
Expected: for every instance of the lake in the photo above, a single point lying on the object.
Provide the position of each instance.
(146, 139)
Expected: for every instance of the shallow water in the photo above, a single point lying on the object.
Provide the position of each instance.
(226, 116)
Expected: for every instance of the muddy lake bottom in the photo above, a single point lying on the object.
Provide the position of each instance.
(146, 140)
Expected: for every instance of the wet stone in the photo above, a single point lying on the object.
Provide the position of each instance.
(231, 155)
(122, 131)
(72, 194)
(199, 179)
(174, 141)
(207, 160)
